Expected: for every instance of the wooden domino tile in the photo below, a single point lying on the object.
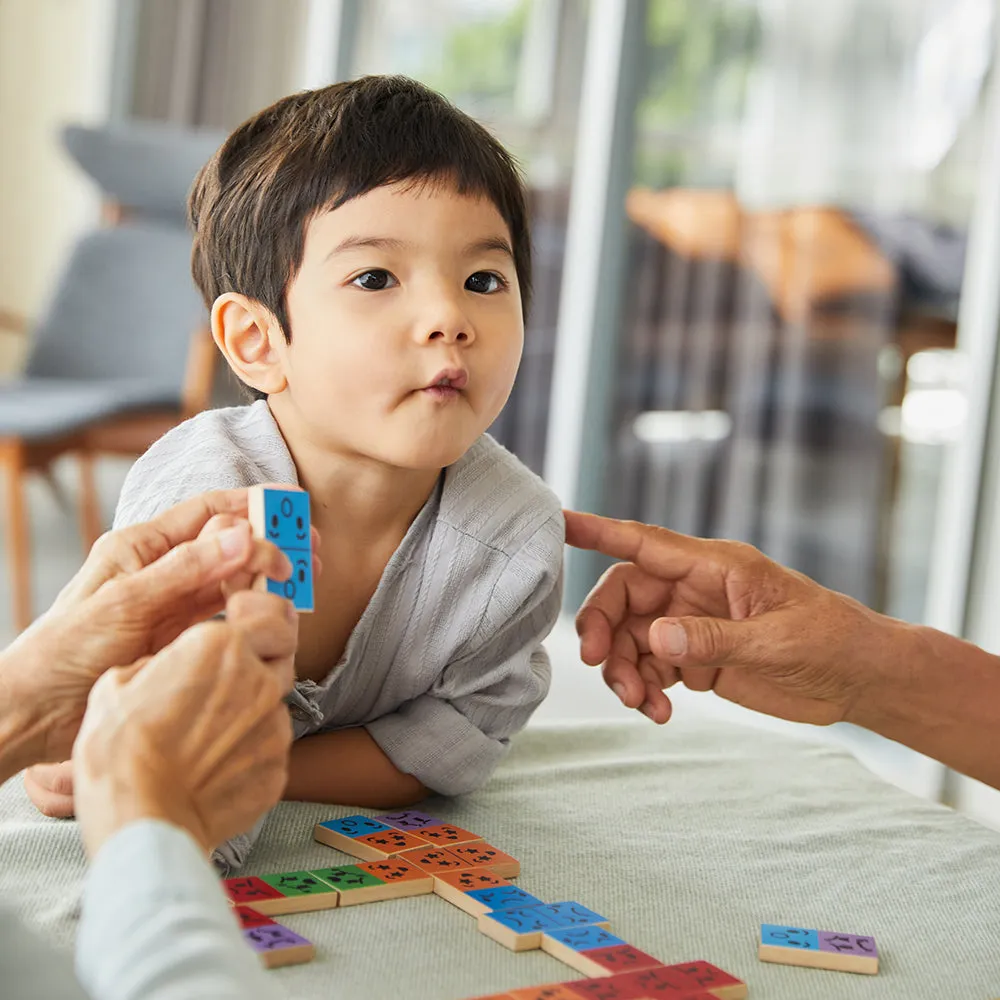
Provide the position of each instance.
(283, 892)
(832, 950)
(250, 891)
(388, 843)
(354, 884)
(276, 945)
(552, 991)
(621, 958)
(623, 987)
(448, 835)
(483, 855)
(437, 859)
(408, 820)
(344, 834)
(281, 515)
(521, 928)
(400, 877)
(570, 945)
(247, 916)
(693, 978)
(478, 891)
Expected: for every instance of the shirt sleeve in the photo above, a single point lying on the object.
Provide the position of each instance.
(453, 737)
(32, 969)
(156, 926)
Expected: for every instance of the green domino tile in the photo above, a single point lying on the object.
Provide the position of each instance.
(297, 883)
(346, 877)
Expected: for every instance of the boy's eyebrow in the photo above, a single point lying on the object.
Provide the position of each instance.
(366, 242)
(485, 245)
(497, 243)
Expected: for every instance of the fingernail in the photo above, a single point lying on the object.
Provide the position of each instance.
(291, 612)
(673, 638)
(647, 710)
(619, 689)
(233, 541)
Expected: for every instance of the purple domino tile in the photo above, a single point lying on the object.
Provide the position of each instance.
(272, 937)
(408, 819)
(847, 944)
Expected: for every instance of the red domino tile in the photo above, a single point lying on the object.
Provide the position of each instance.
(249, 917)
(246, 890)
(622, 958)
(657, 982)
(604, 988)
(703, 976)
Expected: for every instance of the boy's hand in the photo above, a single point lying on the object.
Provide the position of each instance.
(50, 787)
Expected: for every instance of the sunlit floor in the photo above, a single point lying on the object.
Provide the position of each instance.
(578, 692)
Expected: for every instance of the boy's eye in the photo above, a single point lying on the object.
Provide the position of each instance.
(484, 282)
(375, 280)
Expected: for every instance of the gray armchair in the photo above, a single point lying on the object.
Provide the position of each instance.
(123, 351)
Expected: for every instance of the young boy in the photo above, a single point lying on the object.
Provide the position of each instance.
(364, 251)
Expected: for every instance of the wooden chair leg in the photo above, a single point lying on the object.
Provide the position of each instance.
(17, 531)
(91, 524)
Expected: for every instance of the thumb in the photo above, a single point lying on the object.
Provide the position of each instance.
(705, 642)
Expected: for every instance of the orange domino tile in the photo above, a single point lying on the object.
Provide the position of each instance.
(483, 855)
(467, 880)
(436, 860)
(552, 991)
(387, 843)
(401, 878)
(447, 835)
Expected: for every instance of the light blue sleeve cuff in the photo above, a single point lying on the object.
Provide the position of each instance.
(156, 925)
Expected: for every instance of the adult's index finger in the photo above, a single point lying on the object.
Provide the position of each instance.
(658, 551)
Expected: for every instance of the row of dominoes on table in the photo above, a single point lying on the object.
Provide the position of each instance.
(410, 854)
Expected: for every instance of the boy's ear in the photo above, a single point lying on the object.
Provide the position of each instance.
(248, 336)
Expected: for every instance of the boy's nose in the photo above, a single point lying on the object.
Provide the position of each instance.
(451, 335)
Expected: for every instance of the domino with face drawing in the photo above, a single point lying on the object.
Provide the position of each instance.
(281, 515)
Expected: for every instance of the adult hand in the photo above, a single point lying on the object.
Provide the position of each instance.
(139, 588)
(721, 616)
(198, 735)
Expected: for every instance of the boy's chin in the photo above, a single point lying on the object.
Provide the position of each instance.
(427, 456)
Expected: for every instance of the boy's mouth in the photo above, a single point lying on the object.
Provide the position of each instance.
(448, 383)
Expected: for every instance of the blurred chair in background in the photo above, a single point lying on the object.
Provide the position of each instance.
(123, 351)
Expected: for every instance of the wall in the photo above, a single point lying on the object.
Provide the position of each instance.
(54, 68)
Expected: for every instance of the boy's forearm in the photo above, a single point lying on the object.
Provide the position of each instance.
(938, 695)
(348, 768)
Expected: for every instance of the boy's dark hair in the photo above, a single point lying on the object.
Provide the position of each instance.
(314, 151)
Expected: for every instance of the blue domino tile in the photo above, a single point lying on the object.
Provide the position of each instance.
(522, 919)
(582, 938)
(286, 518)
(503, 897)
(355, 826)
(799, 938)
(572, 914)
(298, 588)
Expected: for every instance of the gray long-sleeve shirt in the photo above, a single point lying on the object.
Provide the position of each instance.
(446, 662)
(164, 931)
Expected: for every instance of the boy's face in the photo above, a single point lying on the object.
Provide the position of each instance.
(406, 327)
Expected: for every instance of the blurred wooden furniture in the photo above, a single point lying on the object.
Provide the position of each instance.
(805, 257)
